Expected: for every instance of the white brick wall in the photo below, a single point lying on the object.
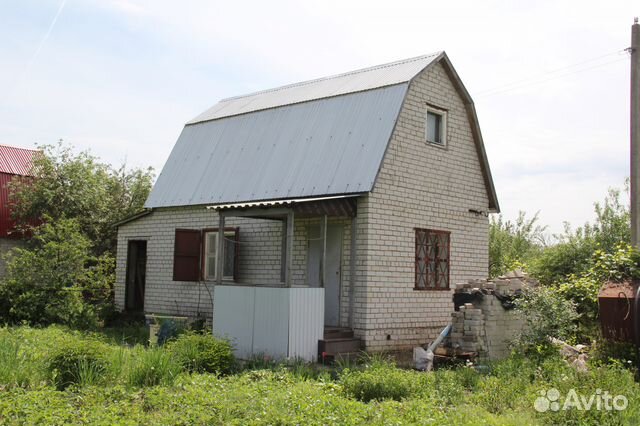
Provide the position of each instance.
(421, 186)
(259, 258)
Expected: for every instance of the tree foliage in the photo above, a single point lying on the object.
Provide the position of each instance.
(56, 279)
(582, 290)
(514, 244)
(573, 253)
(546, 315)
(78, 186)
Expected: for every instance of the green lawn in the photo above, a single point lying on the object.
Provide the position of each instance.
(137, 385)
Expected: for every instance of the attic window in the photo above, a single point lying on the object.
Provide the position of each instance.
(436, 126)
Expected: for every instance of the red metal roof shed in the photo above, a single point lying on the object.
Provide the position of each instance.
(13, 162)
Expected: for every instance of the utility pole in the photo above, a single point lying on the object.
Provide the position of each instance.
(635, 133)
(635, 163)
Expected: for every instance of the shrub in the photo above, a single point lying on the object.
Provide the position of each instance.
(380, 382)
(546, 315)
(151, 367)
(81, 361)
(202, 353)
(55, 279)
(582, 290)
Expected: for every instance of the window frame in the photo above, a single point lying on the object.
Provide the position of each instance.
(435, 286)
(228, 232)
(442, 113)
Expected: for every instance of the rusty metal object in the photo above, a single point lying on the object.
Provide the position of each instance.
(616, 303)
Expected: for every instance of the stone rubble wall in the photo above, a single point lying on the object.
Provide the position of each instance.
(483, 325)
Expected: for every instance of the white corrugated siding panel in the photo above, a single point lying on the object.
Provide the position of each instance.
(354, 81)
(278, 322)
(271, 322)
(306, 322)
(328, 146)
(233, 317)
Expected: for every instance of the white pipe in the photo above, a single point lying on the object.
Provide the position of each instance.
(440, 338)
(434, 345)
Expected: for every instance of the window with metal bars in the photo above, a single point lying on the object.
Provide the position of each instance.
(432, 259)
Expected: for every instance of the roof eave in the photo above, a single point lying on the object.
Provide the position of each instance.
(494, 206)
(133, 217)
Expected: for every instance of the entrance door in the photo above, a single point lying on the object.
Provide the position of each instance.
(333, 270)
(136, 275)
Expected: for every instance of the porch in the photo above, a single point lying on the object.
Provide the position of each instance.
(293, 318)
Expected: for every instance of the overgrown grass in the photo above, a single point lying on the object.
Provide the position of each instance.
(148, 386)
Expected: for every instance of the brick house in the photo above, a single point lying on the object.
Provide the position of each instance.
(384, 165)
(14, 163)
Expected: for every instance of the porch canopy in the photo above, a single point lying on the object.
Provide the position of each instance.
(287, 210)
(279, 321)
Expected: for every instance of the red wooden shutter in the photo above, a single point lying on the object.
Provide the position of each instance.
(186, 255)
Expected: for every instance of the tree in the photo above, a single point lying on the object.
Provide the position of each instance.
(514, 244)
(55, 279)
(78, 186)
(573, 253)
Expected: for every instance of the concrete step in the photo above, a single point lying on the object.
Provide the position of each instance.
(337, 333)
(338, 345)
(342, 357)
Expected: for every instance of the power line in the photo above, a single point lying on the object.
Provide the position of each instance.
(539, 78)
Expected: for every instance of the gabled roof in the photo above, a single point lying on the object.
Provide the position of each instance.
(317, 138)
(16, 161)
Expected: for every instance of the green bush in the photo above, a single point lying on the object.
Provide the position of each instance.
(55, 279)
(79, 361)
(623, 264)
(151, 367)
(202, 353)
(546, 315)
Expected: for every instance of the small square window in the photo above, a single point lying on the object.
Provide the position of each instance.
(436, 126)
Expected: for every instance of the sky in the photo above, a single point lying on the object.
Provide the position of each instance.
(550, 79)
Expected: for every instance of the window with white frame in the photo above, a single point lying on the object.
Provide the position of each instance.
(436, 126)
(211, 255)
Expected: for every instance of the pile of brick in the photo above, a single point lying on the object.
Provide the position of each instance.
(485, 323)
(466, 328)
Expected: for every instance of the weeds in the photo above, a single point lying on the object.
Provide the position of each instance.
(153, 366)
(123, 385)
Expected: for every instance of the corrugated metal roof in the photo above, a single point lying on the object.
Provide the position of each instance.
(277, 203)
(355, 81)
(16, 161)
(328, 146)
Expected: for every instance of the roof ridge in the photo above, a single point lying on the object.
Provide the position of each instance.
(18, 147)
(358, 71)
